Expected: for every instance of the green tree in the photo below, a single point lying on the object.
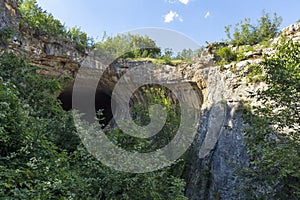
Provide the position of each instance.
(32, 166)
(273, 139)
(128, 46)
(80, 38)
(6, 33)
(38, 22)
(186, 54)
(246, 33)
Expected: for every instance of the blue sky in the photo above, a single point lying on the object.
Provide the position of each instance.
(201, 20)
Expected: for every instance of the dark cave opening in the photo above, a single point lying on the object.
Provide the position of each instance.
(65, 98)
(102, 102)
(103, 99)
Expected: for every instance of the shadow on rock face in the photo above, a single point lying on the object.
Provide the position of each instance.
(102, 102)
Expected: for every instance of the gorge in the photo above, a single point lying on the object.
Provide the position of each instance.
(218, 150)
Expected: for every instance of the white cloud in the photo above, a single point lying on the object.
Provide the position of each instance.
(184, 1)
(207, 15)
(171, 1)
(171, 16)
(175, 1)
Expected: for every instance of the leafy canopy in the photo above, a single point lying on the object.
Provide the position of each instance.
(246, 33)
(38, 22)
(129, 46)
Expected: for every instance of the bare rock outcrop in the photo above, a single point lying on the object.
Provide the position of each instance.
(10, 14)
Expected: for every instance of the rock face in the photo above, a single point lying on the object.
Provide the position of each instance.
(9, 15)
(212, 175)
(218, 149)
(291, 30)
(54, 56)
(9, 18)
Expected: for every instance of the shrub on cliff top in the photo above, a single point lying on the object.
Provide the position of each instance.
(251, 34)
(39, 22)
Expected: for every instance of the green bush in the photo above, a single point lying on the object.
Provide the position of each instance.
(80, 38)
(225, 55)
(39, 23)
(246, 33)
(31, 164)
(158, 95)
(255, 73)
(6, 33)
(274, 134)
(124, 46)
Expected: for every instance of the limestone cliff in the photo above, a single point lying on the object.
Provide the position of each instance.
(212, 175)
(9, 15)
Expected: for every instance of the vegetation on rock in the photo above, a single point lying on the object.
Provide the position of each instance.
(5, 34)
(225, 55)
(37, 22)
(42, 156)
(125, 46)
(246, 33)
(273, 139)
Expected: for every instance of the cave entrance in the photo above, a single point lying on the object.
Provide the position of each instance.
(102, 102)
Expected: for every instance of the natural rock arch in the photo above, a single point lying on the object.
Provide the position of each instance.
(111, 76)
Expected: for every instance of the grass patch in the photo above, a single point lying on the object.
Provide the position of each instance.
(255, 74)
(225, 55)
(175, 62)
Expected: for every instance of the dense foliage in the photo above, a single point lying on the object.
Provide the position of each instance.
(42, 157)
(225, 55)
(5, 34)
(246, 33)
(140, 112)
(188, 55)
(133, 47)
(273, 139)
(129, 46)
(39, 23)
